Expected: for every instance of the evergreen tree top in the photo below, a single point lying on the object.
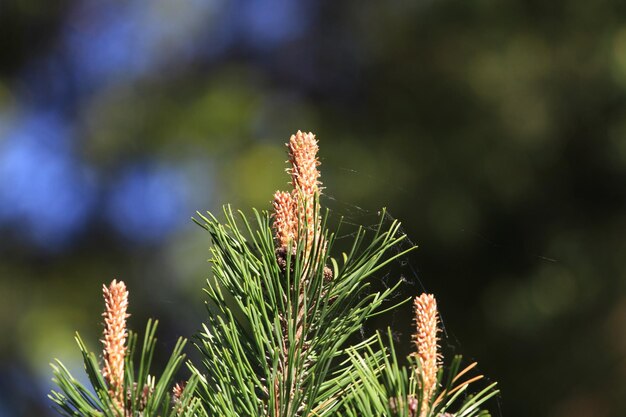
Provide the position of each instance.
(277, 340)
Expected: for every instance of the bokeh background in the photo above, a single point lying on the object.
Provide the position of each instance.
(494, 130)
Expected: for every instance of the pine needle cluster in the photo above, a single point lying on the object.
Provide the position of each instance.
(281, 315)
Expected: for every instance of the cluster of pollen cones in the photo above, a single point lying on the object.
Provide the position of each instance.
(426, 350)
(114, 340)
(296, 215)
(426, 342)
(426, 346)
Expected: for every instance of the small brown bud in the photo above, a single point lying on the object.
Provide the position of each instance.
(328, 274)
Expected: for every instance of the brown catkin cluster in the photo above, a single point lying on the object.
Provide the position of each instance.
(426, 343)
(114, 338)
